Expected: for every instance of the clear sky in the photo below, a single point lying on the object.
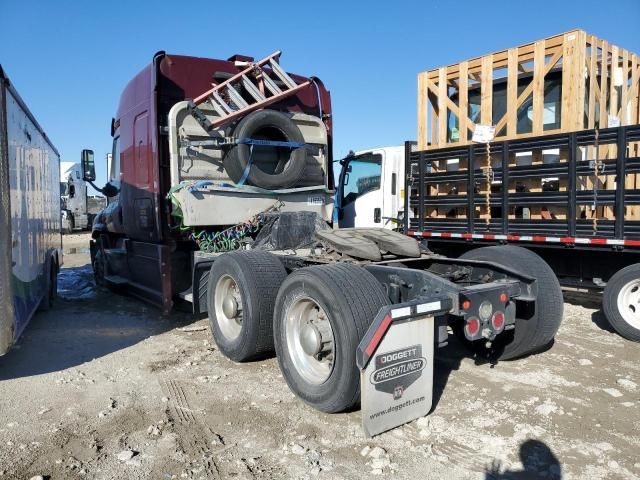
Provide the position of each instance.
(70, 59)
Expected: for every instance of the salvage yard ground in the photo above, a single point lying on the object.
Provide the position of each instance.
(104, 387)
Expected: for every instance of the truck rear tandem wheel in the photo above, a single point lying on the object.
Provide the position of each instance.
(241, 294)
(536, 323)
(315, 311)
(322, 313)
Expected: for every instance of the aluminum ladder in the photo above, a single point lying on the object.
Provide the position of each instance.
(263, 87)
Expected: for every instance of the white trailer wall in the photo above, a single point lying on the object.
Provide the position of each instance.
(31, 233)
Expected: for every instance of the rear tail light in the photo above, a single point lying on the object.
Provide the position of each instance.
(503, 297)
(466, 305)
(497, 321)
(473, 327)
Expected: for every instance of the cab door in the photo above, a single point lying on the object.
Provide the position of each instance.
(361, 194)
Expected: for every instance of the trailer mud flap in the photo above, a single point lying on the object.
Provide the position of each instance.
(395, 359)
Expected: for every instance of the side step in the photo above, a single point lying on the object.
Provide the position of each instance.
(116, 280)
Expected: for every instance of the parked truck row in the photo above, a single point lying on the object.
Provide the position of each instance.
(78, 208)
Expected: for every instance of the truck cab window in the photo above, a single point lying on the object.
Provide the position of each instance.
(114, 172)
(362, 176)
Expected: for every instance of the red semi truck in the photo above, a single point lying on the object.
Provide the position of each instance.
(221, 194)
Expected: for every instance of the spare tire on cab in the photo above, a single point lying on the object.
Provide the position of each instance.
(270, 167)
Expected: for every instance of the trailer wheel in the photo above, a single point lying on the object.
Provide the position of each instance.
(51, 288)
(321, 314)
(533, 330)
(241, 293)
(621, 302)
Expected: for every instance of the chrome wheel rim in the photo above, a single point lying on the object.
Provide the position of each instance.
(310, 340)
(629, 303)
(228, 307)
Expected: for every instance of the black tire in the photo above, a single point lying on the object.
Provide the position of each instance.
(351, 297)
(272, 167)
(534, 330)
(627, 278)
(51, 288)
(99, 267)
(99, 262)
(258, 276)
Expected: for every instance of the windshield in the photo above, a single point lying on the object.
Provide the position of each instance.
(362, 176)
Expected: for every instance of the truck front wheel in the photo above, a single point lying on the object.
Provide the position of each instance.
(321, 314)
(241, 294)
(621, 302)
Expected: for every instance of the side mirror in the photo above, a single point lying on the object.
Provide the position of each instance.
(88, 166)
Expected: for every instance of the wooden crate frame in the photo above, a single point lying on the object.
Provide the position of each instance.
(589, 67)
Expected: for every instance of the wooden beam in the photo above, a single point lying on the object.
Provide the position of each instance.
(633, 89)
(623, 113)
(613, 91)
(512, 92)
(604, 94)
(581, 81)
(593, 82)
(486, 90)
(422, 111)
(443, 95)
(463, 102)
(538, 87)
(572, 79)
(433, 110)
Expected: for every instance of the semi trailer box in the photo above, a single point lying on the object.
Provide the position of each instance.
(30, 239)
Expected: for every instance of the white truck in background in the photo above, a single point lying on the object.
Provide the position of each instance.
(371, 189)
(30, 240)
(78, 209)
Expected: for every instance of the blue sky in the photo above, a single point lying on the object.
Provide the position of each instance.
(70, 59)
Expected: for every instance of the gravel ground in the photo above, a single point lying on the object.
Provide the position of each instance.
(104, 387)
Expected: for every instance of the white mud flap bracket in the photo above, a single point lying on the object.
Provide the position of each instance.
(395, 359)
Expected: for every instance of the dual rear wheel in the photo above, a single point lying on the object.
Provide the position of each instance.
(313, 319)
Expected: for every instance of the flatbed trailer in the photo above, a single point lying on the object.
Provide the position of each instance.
(586, 223)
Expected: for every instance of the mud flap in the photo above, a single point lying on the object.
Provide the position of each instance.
(395, 359)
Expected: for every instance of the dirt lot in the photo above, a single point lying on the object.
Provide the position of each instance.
(104, 387)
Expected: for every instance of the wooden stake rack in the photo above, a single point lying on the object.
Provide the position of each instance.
(564, 184)
(565, 83)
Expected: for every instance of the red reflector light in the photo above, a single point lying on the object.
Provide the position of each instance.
(473, 326)
(497, 320)
(503, 297)
(466, 305)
